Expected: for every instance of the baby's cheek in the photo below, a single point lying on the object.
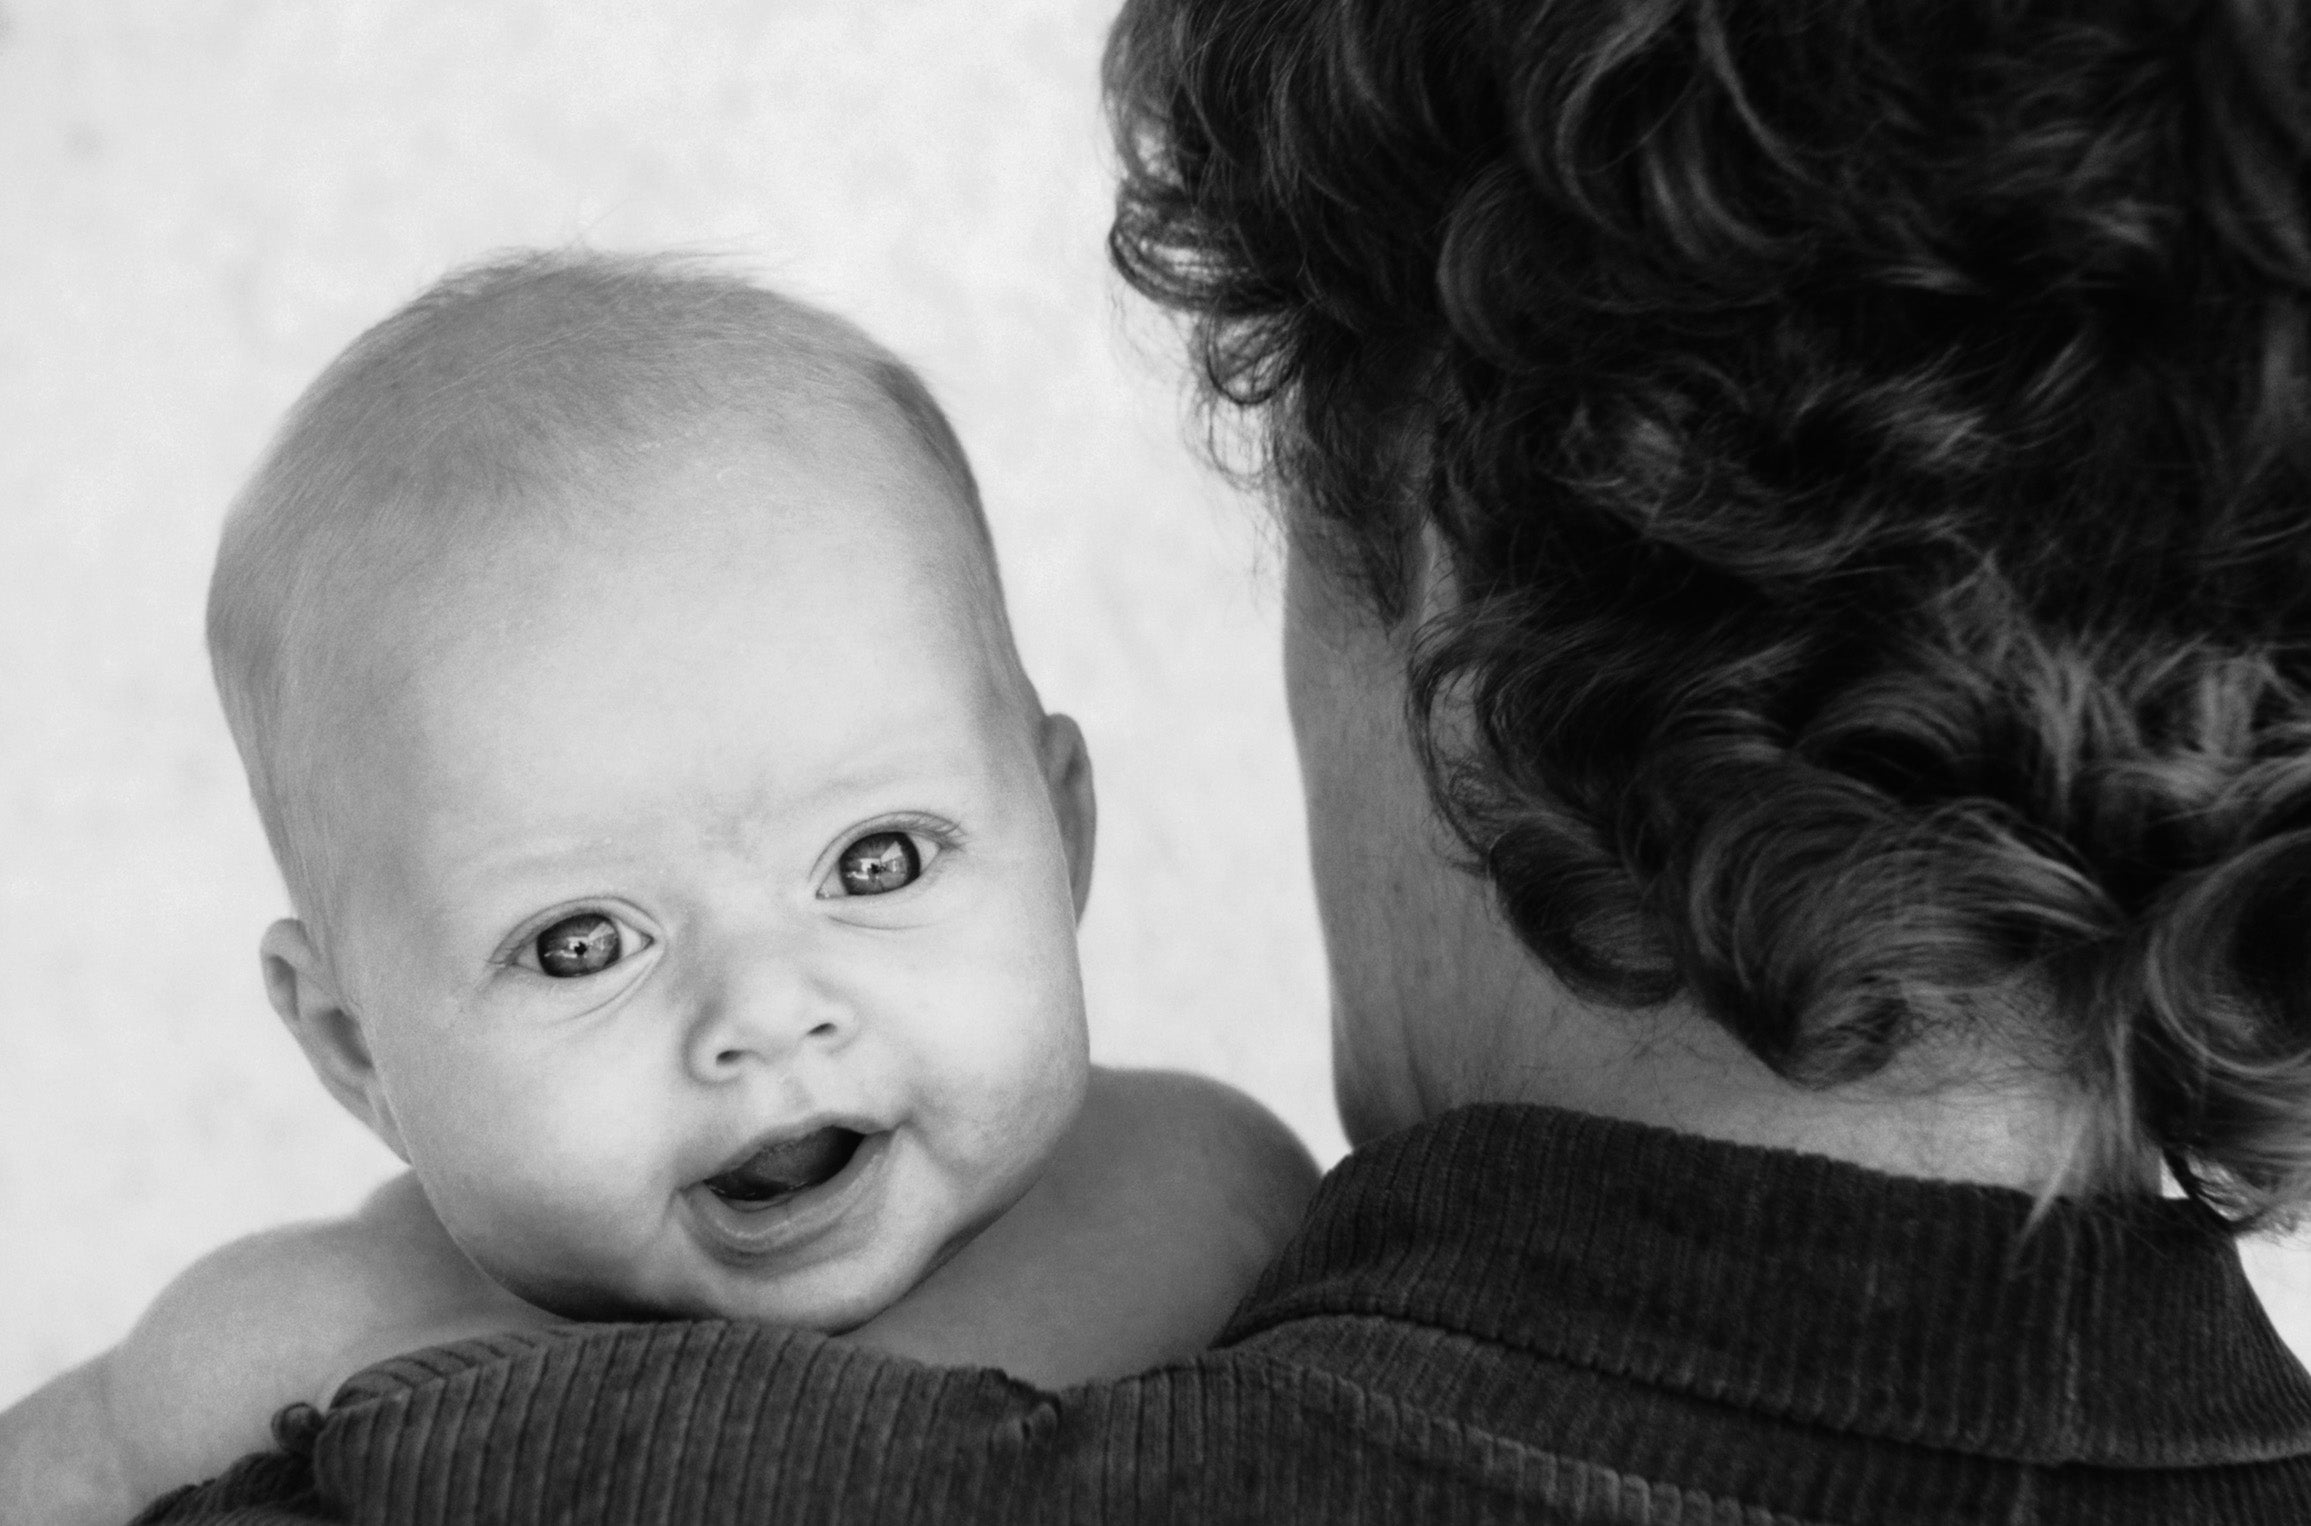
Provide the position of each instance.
(1008, 1112)
(513, 1165)
(1009, 1051)
(564, 1251)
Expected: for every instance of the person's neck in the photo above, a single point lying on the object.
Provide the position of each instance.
(1973, 1117)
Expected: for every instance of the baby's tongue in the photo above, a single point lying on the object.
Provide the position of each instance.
(776, 1170)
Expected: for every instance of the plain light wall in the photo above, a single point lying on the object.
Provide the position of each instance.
(203, 200)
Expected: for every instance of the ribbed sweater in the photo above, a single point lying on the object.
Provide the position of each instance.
(1511, 1313)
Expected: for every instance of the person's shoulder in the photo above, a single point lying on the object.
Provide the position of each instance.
(1206, 1139)
(277, 1303)
(248, 1328)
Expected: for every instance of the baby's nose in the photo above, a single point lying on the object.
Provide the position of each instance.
(762, 1013)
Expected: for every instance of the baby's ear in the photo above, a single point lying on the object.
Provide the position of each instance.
(305, 995)
(1067, 774)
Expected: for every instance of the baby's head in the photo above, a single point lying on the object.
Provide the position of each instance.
(686, 873)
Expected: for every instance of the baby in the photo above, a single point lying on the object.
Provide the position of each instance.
(686, 880)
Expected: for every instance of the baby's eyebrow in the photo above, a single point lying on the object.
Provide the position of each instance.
(508, 866)
(922, 777)
(934, 769)
(931, 781)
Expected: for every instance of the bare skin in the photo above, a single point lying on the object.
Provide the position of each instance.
(1167, 1198)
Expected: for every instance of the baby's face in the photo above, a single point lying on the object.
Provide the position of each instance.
(704, 903)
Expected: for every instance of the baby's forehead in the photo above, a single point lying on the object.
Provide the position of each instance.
(827, 523)
(725, 576)
(841, 499)
(733, 496)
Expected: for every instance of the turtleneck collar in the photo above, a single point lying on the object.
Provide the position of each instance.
(2116, 1333)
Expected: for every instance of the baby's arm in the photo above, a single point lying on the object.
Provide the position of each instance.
(1165, 1202)
(265, 1322)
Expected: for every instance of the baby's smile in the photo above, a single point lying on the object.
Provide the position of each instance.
(780, 1168)
(787, 1194)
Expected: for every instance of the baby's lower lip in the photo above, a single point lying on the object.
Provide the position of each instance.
(742, 1229)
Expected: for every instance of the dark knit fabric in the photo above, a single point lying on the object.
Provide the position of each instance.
(1508, 1314)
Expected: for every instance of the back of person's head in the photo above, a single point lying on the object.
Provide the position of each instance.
(1870, 445)
(506, 390)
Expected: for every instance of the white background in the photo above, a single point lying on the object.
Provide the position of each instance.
(201, 200)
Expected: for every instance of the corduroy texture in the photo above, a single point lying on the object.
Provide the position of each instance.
(1509, 1314)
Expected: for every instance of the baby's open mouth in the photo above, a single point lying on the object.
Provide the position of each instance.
(779, 1171)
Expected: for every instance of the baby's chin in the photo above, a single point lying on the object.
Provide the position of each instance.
(831, 1300)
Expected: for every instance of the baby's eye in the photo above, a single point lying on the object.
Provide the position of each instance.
(879, 863)
(585, 944)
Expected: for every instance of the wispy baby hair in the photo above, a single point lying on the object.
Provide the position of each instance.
(1872, 446)
(531, 376)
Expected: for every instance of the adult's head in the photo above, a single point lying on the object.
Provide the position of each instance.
(1836, 484)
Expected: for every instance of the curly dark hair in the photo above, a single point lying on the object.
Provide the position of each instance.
(1871, 443)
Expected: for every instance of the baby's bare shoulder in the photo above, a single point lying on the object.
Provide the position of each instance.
(254, 1325)
(1169, 1196)
(268, 1314)
(260, 1289)
(1202, 1145)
